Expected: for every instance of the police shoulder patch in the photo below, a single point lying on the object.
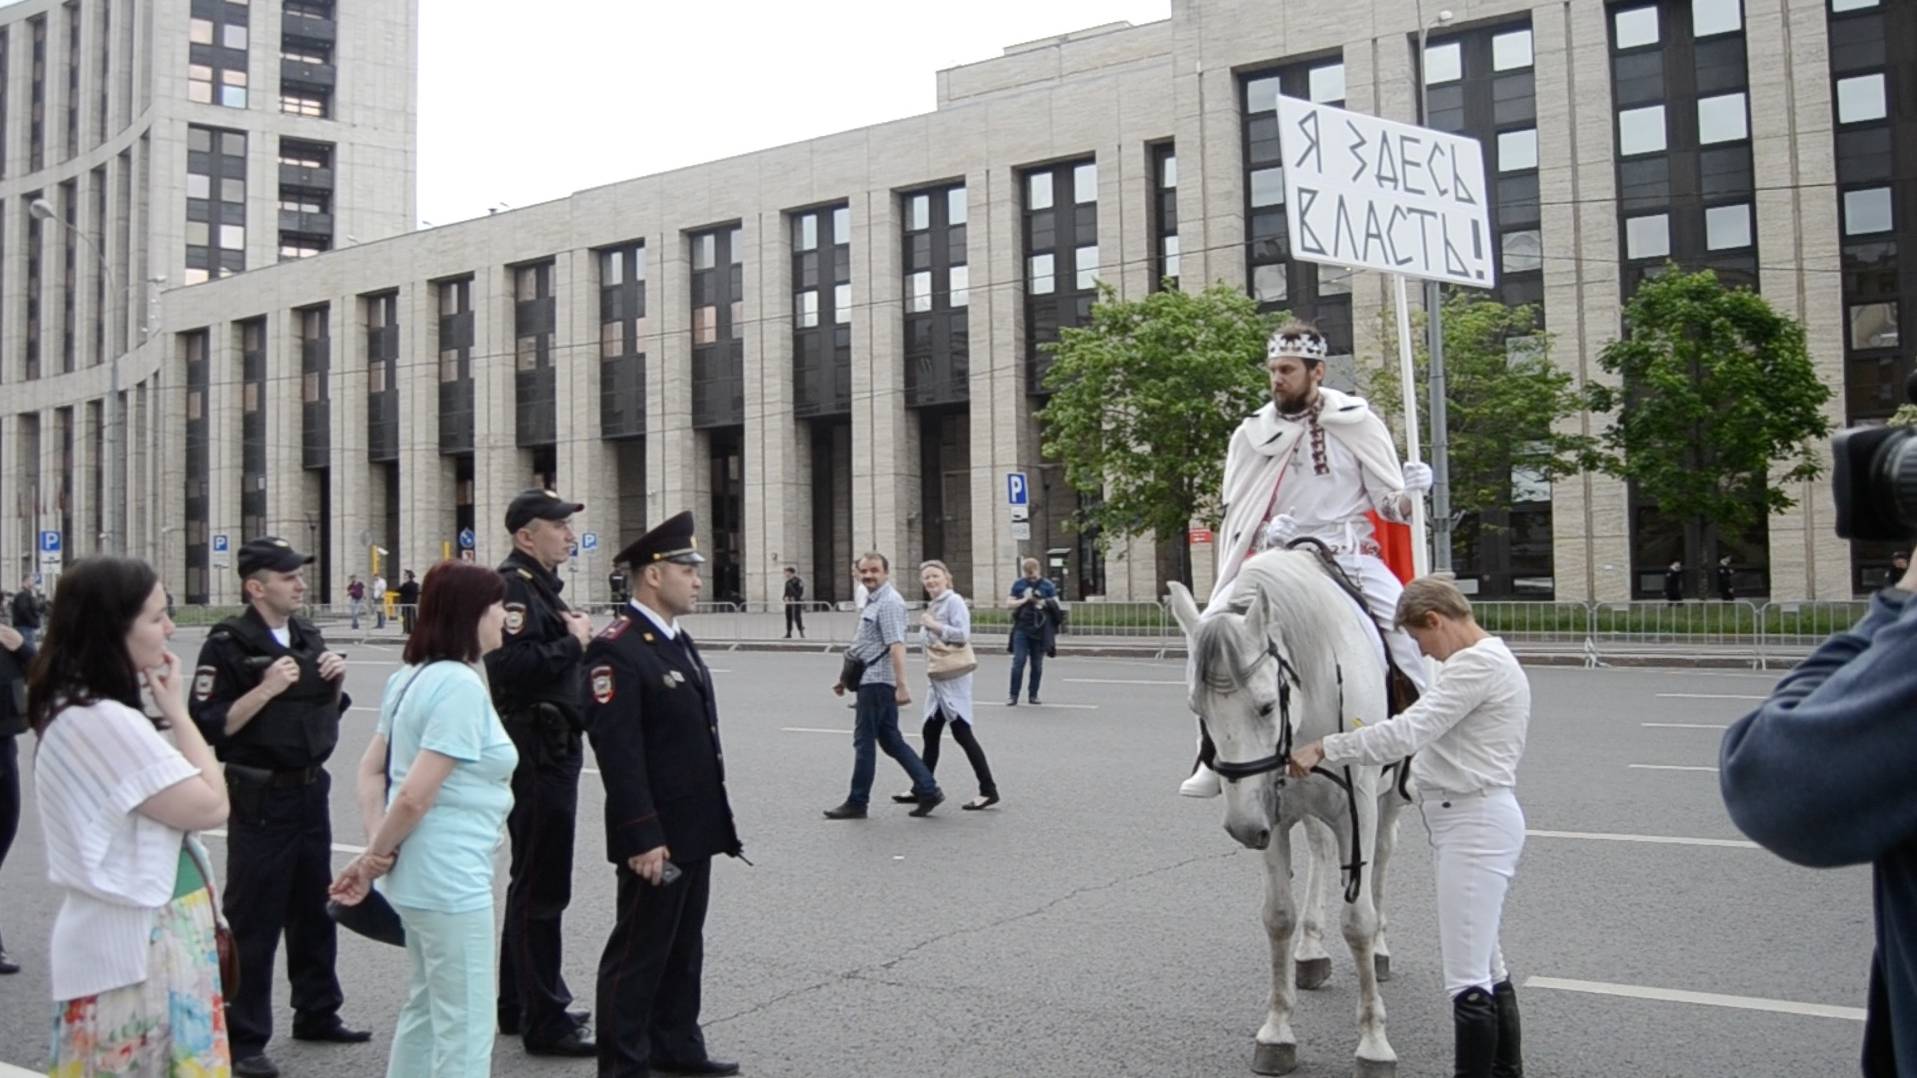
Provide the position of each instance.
(515, 618)
(615, 630)
(203, 682)
(524, 573)
(602, 684)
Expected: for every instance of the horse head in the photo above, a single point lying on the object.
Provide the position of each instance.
(1238, 681)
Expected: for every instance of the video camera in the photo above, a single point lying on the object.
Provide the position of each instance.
(1874, 479)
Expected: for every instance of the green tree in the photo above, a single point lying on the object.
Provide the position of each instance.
(1503, 397)
(1717, 410)
(1144, 402)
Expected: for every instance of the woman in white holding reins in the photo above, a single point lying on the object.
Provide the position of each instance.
(1468, 735)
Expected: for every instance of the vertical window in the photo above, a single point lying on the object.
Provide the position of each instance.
(217, 53)
(1860, 99)
(822, 308)
(1306, 290)
(1164, 219)
(308, 76)
(622, 336)
(37, 120)
(718, 328)
(1061, 257)
(306, 198)
(937, 291)
(215, 203)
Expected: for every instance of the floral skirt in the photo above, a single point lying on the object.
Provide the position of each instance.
(171, 1025)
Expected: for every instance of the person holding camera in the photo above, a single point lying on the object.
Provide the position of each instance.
(1820, 774)
(535, 679)
(267, 695)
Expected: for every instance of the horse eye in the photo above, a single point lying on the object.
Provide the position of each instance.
(1265, 711)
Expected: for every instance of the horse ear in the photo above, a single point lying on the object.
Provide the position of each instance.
(1255, 616)
(1183, 609)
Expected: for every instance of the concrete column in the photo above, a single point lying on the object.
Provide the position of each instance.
(497, 474)
(675, 476)
(585, 460)
(13, 548)
(886, 495)
(1002, 439)
(777, 446)
(1800, 259)
(426, 502)
(358, 505)
(224, 473)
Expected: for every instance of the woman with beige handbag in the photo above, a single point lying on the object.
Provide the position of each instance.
(949, 663)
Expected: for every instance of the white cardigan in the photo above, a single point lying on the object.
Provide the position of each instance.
(94, 766)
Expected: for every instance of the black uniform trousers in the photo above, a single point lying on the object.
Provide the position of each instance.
(533, 996)
(9, 795)
(794, 618)
(279, 862)
(650, 972)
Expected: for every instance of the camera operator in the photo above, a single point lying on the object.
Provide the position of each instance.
(1820, 773)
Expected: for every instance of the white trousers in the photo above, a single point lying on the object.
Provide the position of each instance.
(1478, 838)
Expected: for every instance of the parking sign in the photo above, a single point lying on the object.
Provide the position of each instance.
(1016, 490)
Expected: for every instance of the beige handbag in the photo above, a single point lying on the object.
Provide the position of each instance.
(947, 661)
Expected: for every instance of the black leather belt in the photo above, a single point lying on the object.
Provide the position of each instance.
(298, 776)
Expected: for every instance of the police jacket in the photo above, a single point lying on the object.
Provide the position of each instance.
(653, 718)
(13, 690)
(538, 662)
(296, 729)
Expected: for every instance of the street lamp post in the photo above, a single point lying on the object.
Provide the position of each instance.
(1434, 335)
(43, 210)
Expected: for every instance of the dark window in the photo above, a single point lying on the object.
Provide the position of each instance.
(37, 121)
(822, 311)
(215, 202)
(306, 198)
(36, 249)
(623, 332)
(72, 12)
(533, 374)
(455, 365)
(718, 328)
(105, 89)
(316, 361)
(252, 350)
(1164, 164)
(101, 313)
(1873, 62)
(69, 278)
(308, 76)
(938, 295)
(1320, 294)
(382, 376)
(1686, 189)
(192, 352)
(3, 101)
(216, 53)
(1061, 256)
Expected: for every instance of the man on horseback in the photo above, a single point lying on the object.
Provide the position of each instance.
(1315, 464)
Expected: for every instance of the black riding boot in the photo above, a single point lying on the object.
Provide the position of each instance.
(1510, 1058)
(1474, 1021)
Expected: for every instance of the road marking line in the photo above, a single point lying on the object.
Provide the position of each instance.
(1113, 681)
(1042, 707)
(823, 730)
(1685, 725)
(1706, 696)
(1707, 999)
(1655, 840)
(337, 847)
(1670, 767)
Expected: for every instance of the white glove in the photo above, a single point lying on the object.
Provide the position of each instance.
(1282, 529)
(1417, 477)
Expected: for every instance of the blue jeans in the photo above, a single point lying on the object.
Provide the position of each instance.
(1027, 645)
(878, 720)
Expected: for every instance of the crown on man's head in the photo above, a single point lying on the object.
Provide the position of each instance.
(1301, 341)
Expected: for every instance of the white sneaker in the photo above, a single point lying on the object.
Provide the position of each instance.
(1203, 783)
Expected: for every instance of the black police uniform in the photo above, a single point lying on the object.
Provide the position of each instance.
(535, 678)
(654, 723)
(279, 846)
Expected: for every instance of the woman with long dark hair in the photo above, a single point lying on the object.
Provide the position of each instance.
(437, 776)
(136, 975)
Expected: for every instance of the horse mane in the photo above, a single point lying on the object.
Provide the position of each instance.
(1302, 603)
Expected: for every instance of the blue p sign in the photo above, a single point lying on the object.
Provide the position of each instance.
(1016, 492)
(49, 542)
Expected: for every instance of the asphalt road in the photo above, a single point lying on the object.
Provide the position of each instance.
(1096, 924)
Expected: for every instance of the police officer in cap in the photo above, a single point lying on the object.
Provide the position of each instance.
(536, 689)
(267, 695)
(655, 730)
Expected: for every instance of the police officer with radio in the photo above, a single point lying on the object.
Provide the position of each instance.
(655, 732)
(268, 696)
(535, 679)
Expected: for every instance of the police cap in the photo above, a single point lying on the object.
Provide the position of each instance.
(672, 541)
(530, 505)
(270, 552)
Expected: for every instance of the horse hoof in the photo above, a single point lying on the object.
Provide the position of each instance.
(1312, 973)
(1274, 1058)
(1376, 1068)
(1382, 963)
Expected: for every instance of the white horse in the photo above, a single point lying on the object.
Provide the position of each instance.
(1290, 659)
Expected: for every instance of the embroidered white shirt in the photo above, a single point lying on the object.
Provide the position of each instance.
(1468, 730)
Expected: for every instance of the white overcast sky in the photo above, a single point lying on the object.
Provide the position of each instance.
(524, 102)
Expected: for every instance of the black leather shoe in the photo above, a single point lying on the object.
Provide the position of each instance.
(509, 1026)
(578, 1043)
(847, 811)
(337, 1033)
(7, 965)
(929, 802)
(255, 1066)
(707, 1066)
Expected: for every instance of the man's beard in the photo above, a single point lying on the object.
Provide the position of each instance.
(1294, 406)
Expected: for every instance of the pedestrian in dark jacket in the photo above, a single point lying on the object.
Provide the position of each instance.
(15, 654)
(1726, 579)
(27, 609)
(1674, 582)
(1820, 774)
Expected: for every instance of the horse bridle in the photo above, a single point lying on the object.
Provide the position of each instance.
(1279, 760)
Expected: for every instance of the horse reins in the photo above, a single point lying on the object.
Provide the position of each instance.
(1232, 772)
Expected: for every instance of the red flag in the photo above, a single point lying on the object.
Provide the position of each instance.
(1394, 547)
